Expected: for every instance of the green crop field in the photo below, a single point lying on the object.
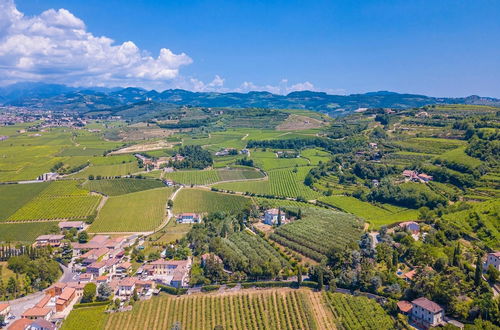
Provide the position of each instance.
(267, 309)
(136, 212)
(63, 188)
(26, 232)
(267, 160)
(14, 196)
(318, 232)
(86, 318)
(358, 312)
(47, 208)
(228, 174)
(315, 156)
(117, 187)
(201, 201)
(458, 155)
(376, 215)
(108, 171)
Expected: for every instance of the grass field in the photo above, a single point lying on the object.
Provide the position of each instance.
(194, 177)
(170, 233)
(136, 212)
(25, 232)
(376, 215)
(86, 318)
(318, 232)
(117, 187)
(14, 196)
(108, 171)
(201, 201)
(267, 160)
(459, 156)
(268, 309)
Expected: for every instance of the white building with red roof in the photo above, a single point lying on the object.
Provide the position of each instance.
(492, 259)
(426, 312)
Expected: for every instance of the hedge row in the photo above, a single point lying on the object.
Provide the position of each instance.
(208, 288)
(92, 304)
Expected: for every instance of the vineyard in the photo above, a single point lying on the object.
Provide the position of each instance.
(63, 188)
(267, 160)
(109, 171)
(14, 196)
(269, 309)
(46, 208)
(357, 312)
(194, 177)
(245, 251)
(201, 201)
(121, 186)
(227, 174)
(376, 215)
(282, 182)
(25, 232)
(318, 232)
(136, 212)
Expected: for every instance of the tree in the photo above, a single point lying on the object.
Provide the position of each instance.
(299, 274)
(88, 292)
(279, 217)
(320, 279)
(492, 274)
(104, 292)
(83, 237)
(455, 261)
(135, 296)
(170, 203)
(299, 214)
(479, 271)
(12, 286)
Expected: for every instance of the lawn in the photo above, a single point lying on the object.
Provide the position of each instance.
(204, 201)
(136, 212)
(377, 216)
(115, 187)
(86, 318)
(26, 232)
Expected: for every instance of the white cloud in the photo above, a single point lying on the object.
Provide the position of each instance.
(281, 88)
(56, 47)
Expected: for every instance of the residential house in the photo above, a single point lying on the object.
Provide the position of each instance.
(94, 255)
(170, 272)
(37, 312)
(188, 218)
(123, 267)
(65, 299)
(85, 278)
(5, 310)
(412, 226)
(271, 217)
(29, 324)
(97, 268)
(67, 225)
(405, 307)
(492, 259)
(126, 287)
(426, 313)
(177, 158)
(101, 279)
(49, 240)
(48, 176)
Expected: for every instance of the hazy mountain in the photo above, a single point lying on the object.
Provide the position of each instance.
(60, 97)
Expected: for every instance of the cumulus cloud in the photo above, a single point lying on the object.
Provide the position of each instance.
(281, 88)
(56, 47)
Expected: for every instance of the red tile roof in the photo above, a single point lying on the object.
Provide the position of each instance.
(36, 312)
(67, 293)
(404, 306)
(3, 306)
(427, 304)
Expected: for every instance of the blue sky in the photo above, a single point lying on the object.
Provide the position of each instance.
(438, 48)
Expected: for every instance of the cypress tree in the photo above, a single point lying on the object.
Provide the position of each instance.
(479, 271)
(279, 217)
(299, 274)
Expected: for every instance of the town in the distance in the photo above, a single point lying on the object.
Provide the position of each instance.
(158, 216)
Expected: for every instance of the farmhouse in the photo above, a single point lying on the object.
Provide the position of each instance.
(412, 226)
(177, 158)
(426, 312)
(49, 240)
(48, 176)
(492, 259)
(189, 218)
(67, 225)
(271, 217)
(170, 272)
(416, 177)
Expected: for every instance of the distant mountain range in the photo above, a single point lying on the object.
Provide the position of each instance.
(61, 97)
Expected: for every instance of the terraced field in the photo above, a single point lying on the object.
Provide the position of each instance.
(136, 212)
(201, 201)
(318, 231)
(117, 187)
